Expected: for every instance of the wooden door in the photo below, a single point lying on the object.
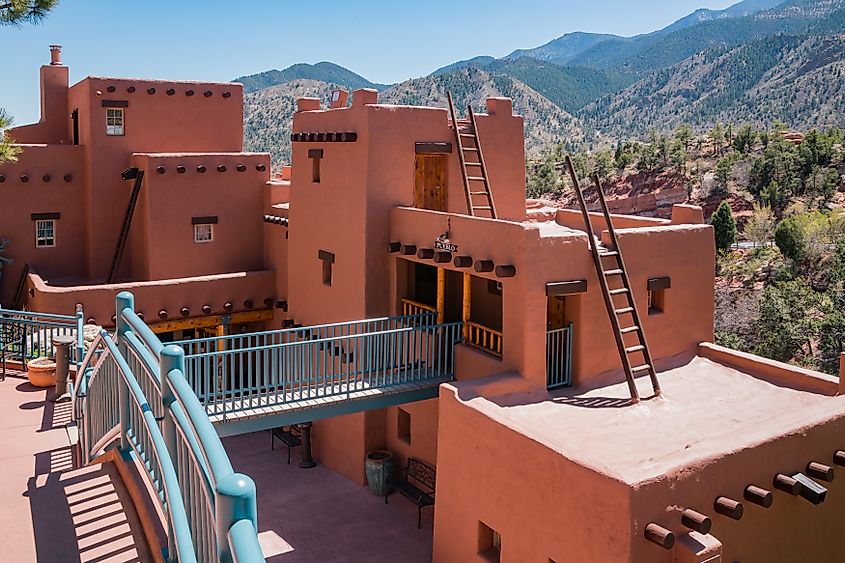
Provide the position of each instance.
(556, 314)
(430, 182)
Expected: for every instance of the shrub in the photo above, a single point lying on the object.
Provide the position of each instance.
(789, 238)
(725, 226)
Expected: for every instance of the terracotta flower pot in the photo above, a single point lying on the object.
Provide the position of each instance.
(41, 372)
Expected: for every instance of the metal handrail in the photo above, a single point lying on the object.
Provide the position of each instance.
(120, 390)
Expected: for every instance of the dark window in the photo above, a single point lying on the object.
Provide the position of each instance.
(656, 301)
(327, 259)
(403, 422)
(489, 543)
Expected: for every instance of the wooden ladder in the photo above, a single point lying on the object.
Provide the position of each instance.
(611, 270)
(124, 230)
(476, 183)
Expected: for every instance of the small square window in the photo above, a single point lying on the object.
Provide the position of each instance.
(203, 232)
(114, 121)
(403, 425)
(45, 233)
(656, 301)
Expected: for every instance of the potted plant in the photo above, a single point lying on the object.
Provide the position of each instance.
(41, 372)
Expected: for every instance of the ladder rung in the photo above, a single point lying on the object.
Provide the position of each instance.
(467, 135)
(607, 254)
(470, 149)
(624, 310)
(475, 178)
(619, 291)
(633, 349)
(483, 207)
(630, 329)
(472, 163)
(477, 193)
(613, 273)
(641, 368)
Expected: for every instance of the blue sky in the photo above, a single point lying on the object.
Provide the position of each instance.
(383, 41)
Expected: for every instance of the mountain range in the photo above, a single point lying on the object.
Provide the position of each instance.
(754, 62)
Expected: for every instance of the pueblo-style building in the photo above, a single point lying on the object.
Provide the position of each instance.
(407, 212)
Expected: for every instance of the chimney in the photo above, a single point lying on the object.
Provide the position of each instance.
(55, 122)
(55, 55)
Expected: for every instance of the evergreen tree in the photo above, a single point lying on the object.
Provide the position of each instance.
(16, 12)
(724, 225)
(8, 152)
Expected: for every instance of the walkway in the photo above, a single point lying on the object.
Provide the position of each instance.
(315, 515)
(48, 511)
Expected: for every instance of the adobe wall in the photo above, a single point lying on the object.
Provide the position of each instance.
(151, 297)
(423, 439)
(55, 181)
(155, 122)
(792, 529)
(544, 506)
(231, 188)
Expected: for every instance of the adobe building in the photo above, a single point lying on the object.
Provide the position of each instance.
(540, 453)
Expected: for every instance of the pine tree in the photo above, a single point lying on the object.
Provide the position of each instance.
(16, 12)
(8, 152)
(724, 225)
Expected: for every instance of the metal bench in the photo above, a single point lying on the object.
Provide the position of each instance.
(416, 482)
(289, 435)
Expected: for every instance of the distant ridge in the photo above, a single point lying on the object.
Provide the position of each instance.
(323, 71)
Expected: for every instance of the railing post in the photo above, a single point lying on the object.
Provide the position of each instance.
(172, 359)
(235, 501)
(124, 300)
(80, 336)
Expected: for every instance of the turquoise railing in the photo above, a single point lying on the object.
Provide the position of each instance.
(559, 357)
(132, 389)
(237, 373)
(26, 335)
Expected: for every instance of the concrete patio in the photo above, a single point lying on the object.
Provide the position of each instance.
(50, 512)
(316, 515)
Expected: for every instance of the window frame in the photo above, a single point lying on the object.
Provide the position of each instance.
(115, 114)
(197, 227)
(41, 241)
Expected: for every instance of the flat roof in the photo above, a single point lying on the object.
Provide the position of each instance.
(707, 409)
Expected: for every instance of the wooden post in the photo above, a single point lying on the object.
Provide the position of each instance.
(758, 496)
(820, 471)
(728, 507)
(787, 484)
(467, 308)
(441, 295)
(696, 521)
(659, 535)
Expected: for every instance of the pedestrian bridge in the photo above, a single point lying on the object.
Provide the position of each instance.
(164, 408)
(263, 380)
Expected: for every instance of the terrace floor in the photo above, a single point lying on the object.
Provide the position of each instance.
(316, 515)
(49, 511)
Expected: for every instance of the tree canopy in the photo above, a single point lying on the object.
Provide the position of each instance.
(18, 12)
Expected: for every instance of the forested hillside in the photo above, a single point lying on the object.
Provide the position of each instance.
(798, 80)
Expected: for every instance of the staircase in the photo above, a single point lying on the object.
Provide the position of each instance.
(474, 172)
(618, 298)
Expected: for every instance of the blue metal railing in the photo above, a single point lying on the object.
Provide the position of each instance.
(241, 372)
(559, 357)
(133, 389)
(26, 335)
